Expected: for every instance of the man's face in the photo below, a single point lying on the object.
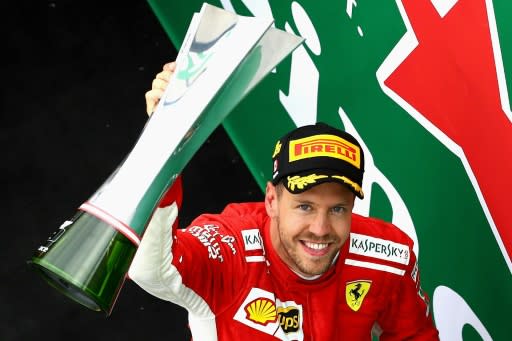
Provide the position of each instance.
(309, 228)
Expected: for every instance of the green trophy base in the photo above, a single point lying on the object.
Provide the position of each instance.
(87, 260)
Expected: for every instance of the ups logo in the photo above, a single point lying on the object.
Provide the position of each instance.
(289, 318)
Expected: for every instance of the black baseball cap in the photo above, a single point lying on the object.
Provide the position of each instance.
(318, 153)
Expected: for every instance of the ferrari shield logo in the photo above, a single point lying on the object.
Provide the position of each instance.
(355, 293)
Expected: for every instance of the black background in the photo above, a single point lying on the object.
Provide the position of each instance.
(72, 106)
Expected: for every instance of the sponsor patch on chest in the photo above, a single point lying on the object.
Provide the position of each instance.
(355, 292)
(262, 311)
(252, 239)
(361, 244)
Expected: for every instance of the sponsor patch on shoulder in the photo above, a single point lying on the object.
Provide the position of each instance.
(368, 246)
(252, 239)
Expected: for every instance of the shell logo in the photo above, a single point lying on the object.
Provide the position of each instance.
(261, 311)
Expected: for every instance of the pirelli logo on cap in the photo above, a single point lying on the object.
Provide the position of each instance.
(325, 145)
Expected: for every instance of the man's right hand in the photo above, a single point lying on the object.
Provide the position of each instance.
(158, 86)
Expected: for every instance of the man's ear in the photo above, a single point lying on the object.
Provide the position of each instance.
(271, 200)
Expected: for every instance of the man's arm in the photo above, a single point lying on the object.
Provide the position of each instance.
(193, 267)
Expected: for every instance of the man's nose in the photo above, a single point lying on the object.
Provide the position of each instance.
(320, 225)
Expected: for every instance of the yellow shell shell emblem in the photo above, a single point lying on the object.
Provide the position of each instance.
(355, 292)
(262, 311)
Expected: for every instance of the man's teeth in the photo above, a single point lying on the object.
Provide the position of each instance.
(316, 246)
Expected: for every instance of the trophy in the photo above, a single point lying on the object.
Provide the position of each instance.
(223, 56)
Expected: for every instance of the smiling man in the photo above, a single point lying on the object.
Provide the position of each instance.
(309, 228)
(298, 266)
(310, 220)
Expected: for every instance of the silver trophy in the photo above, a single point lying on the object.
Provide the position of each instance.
(222, 58)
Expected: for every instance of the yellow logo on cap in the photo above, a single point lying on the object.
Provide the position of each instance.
(325, 145)
(302, 181)
(349, 182)
(277, 149)
(355, 292)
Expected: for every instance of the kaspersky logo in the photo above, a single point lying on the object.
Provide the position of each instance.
(379, 248)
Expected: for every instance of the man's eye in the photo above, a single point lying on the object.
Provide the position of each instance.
(338, 209)
(304, 207)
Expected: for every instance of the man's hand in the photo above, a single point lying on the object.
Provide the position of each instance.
(158, 86)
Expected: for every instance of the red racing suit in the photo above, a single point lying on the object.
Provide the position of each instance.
(225, 272)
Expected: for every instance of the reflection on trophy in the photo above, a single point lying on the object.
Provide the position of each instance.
(222, 58)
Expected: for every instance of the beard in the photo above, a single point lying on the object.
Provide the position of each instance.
(298, 261)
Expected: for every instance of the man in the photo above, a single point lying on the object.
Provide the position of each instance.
(300, 265)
